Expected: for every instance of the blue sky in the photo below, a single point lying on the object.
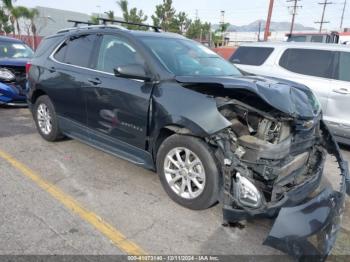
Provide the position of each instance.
(237, 12)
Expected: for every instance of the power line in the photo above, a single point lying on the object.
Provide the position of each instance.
(294, 8)
(342, 16)
(325, 3)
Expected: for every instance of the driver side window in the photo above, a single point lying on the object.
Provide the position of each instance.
(115, 52)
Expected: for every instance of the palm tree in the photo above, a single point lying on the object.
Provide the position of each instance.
(31, 14)
(8, 6)
(17, 13)
(123, 5)
(110, 14)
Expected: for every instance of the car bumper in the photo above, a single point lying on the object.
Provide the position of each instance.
(304, 226)
(10, 95)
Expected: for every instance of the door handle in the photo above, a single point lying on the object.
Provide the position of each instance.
(95, 81)
(343, 91)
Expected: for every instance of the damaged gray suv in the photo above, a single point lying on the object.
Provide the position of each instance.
(256, 145)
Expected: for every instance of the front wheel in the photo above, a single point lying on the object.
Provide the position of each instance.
(188, 171)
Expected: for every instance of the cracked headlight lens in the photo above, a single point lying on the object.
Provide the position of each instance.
(6, 74)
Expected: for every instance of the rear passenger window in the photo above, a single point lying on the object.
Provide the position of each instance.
(308, 62)
(251, 55)
(47, 44)
(77, 51)
(344, 66)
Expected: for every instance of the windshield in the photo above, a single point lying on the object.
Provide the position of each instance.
(15, 50)
(184, 57)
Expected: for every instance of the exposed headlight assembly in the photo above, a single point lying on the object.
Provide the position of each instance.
(246, 192)
(6, 75)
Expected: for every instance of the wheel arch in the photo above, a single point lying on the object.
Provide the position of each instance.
(36, 94)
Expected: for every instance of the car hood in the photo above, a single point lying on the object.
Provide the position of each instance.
(286, 96)
(13, 61)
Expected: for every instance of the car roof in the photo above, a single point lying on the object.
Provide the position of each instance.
(309, 45)
(10, 40)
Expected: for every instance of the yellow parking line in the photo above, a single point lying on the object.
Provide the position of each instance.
(117, 238)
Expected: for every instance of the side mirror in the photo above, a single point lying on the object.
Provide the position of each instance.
(132, 71)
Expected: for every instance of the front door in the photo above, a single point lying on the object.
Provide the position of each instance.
(118, 107)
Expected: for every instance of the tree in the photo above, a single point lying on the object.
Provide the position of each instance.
(220, 34)
(199, 30)
(132, 15)
(5, 27)
(182, 22)
(31, 14)
(110, 14)
(8, 6)
(164, 16)
(94, 20)
(17, 13)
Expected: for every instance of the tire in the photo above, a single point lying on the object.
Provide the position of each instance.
(200, 198)
(49, 134)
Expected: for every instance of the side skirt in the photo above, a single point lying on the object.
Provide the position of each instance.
(105, 143)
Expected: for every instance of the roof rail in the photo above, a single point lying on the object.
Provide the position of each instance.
(106, 20)
(76, 22)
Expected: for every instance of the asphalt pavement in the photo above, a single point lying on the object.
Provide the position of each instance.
(69, 198)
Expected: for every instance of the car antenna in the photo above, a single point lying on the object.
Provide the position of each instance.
(112, 21)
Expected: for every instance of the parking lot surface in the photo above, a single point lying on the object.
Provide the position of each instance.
(128, 198)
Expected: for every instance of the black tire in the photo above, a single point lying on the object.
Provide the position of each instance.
(210, 193)
(55, 133)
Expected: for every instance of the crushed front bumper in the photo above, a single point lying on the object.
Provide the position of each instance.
(304, 227)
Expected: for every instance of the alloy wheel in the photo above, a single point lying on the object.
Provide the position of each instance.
(44, 119)
(184, 172)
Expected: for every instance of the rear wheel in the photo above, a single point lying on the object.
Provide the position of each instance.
(46, 120)
(188, 171)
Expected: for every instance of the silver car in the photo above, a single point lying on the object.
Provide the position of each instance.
(325, 68)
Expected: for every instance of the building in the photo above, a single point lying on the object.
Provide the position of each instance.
(51, 20)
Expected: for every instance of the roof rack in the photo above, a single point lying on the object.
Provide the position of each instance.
(76, 22)
(106, 20)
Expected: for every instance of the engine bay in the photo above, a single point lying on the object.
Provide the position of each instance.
(269, 153)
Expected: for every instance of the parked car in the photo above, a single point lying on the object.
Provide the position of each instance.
(325, 68)
(169, 104)
(14, 55)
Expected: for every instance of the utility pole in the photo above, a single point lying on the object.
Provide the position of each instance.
(325, 3)
(342, 16)
(196, 14)
(294, 8)
(268, 21)
(259, 30)
(223, 24)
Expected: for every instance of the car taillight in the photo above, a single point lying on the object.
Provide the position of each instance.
(28, 65)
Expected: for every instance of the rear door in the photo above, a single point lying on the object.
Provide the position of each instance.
(338, 109)
(70, 70)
